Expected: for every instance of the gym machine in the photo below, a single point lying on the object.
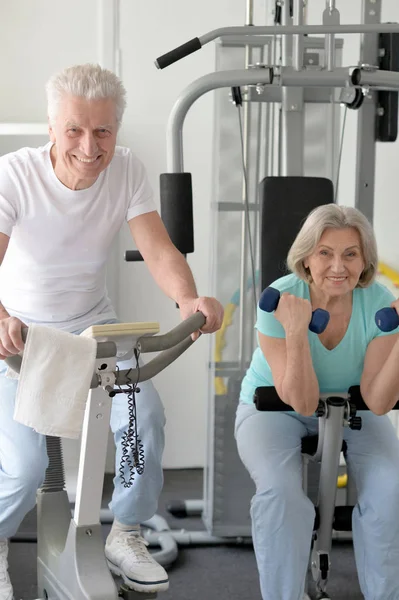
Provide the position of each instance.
(290, 86)
(71, 564)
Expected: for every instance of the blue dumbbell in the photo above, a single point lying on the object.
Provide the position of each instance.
(270, 298)
(387, 319)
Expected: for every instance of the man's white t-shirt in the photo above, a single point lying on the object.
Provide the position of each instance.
(54, 270)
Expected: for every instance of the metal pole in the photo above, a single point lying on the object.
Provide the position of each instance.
(207, 83)
(304, 29)
(292, 104)
(245, 220)
(298, 45)
(249, 14)
(330, 17)
(260, 161)
(366, 147)
(382, 79)
(338, 78)
(213, 81)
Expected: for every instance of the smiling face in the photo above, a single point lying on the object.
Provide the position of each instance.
(336, 263)
(84, 136)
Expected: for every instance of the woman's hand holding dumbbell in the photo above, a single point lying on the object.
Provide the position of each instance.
(387, 319)
(294, 314)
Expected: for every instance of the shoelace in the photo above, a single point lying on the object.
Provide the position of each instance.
(136, 545)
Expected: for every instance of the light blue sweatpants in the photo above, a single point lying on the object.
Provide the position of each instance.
(269, 444)
(23, 458)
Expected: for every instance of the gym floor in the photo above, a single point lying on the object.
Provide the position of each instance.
(223, 572)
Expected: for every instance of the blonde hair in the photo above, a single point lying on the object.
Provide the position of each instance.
(334, 217)
(88, 81)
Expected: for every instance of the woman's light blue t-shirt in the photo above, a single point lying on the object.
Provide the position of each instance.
(336, 369)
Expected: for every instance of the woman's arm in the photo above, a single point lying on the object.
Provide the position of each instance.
(380, 379)
(290, 359)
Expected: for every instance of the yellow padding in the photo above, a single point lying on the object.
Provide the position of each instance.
(390, 273)
(342, 480)
(220, 342)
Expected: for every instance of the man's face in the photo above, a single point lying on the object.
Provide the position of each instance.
(84, 135)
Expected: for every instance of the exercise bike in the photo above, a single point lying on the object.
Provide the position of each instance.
(335, 411)
(71, 564)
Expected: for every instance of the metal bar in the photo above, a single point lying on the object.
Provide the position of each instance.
(340, 77)
(249, 18)
(286, 40)
(93, 451)
(331, 138)
(262, 159)
(234, 206)
(245, 222)
(330, 17)
(154, 366)
(212, 81)
(304, 29)
(315, 43)
(273, 138)
(332, 443)
(293, 132)
(381, 79)
(292, 103)
(156, 343)
(288, 77)
(366, 147)
(298, 45)
(273, 93)
(239, 41)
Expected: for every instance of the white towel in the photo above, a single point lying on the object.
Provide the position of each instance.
(54, 382)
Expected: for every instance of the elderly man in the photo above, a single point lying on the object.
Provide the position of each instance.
(61, 206)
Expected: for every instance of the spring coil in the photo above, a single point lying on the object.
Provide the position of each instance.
(132, 459)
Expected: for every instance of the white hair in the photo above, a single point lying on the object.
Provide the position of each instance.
(88, 81)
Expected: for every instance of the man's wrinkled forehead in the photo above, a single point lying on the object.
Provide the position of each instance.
(79, 122)
(78, 111)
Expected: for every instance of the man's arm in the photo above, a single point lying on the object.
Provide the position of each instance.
(10, 327)
(170, 270)
(166, 264)
(4, 240)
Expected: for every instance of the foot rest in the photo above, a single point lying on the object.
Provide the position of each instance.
(128, 594)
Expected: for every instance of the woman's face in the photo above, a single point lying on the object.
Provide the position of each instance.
(336, 263)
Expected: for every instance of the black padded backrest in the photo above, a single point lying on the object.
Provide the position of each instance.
(286, 202)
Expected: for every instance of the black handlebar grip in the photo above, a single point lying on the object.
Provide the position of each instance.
(133, 256)
(177, 209)
(180, 52)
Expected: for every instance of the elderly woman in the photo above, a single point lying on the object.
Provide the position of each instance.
(333, 262)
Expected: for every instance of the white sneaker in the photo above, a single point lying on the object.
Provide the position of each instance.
(128, 557)
(6, 592)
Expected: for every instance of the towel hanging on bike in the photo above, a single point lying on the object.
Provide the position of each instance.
(54, 381)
